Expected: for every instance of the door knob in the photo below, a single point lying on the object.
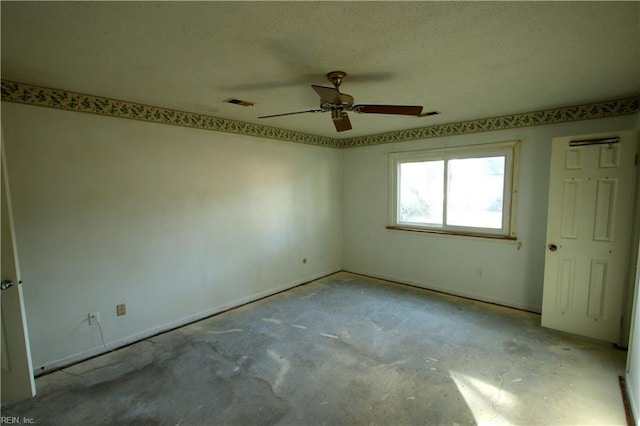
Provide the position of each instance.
(553, 247)
(6, 284)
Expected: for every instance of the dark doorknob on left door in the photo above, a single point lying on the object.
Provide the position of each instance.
(553, 247)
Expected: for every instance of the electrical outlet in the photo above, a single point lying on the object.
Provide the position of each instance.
(93, 318)
(121, 309)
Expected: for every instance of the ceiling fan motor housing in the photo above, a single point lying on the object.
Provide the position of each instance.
(346, 104)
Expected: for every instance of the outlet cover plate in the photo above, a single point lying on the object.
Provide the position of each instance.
(121, 309)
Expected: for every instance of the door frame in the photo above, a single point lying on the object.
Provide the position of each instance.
(632, 269)
(26, 389)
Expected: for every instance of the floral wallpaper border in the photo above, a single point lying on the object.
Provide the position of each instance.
(13, 91)
(29, 94)
(538, 118)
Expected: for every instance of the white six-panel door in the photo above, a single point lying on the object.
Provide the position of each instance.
(588, 234)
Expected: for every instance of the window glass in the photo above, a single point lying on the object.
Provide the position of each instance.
(421, 192)
(476, 190)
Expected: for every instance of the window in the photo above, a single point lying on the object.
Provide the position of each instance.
(467, 190)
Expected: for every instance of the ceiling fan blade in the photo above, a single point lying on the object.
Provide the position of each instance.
(291, 113)
(328, 94)
(388, 109)
(343, 123)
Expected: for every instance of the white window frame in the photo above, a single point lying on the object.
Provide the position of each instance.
(511, 151)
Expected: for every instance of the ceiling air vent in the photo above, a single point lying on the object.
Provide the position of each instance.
(238, 102)
(426, 114)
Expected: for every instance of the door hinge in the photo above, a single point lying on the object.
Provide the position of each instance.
(635, 160)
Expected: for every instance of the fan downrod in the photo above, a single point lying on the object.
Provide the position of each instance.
(336, 77)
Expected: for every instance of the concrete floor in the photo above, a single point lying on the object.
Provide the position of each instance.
(344, 350)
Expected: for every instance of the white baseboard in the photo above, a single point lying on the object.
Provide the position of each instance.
(633, 400)
(115, 344)
(482, 298)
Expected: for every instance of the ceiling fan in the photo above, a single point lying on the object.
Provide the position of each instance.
(332, 100)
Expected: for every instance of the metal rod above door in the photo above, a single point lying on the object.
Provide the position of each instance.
(599, 141)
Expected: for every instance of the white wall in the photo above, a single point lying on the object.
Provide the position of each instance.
(511, 273)
(177, 223)
(181, 223)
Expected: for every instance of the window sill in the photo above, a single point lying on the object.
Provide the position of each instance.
(460, 234)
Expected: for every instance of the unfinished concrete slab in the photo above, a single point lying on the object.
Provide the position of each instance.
(345, 349)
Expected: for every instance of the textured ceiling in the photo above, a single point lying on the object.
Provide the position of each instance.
(465, 60)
